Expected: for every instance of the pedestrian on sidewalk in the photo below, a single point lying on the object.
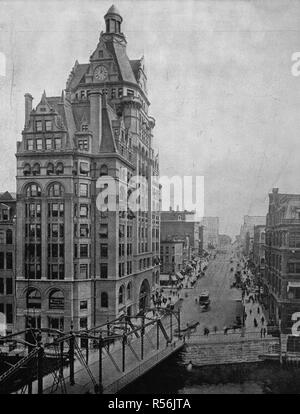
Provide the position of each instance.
(225, 330)
(215, 329)
(206, 331)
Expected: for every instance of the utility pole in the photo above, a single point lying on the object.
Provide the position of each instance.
(100, 363)
(71, 355)
(40, 360)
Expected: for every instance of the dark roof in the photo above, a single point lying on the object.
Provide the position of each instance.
(135, 65)
(7, 196)
(79, 71)
(113, 10)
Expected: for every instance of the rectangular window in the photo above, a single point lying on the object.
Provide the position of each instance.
(83, 190)
(9, 261)
(1, 260)
(56, 323)
(83, 144)
(48, 143)
(83, 271)
(9, 286)
(83, 210)
(130, 92)
(84, 250)
(104, 251)
(83, 323)
(9, 313)
(103, 271)
(103, 231)
(120, 92)
(38, 126)
(30, 144)
(1, 286)
(2, 237)
(84, 168)
(48, 125)
(39, 144)
(83, 304)
(84, 230)
(57, 143)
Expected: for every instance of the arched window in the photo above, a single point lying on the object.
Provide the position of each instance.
(8, 236)
(33, 299)
(27, 169)
(129, 290)
(59, 168)
(103, 170)
(33, 190)
(36, 169)
(50, 169)
(104, 300)
(56, 190)
(56, 299)
(121, 295)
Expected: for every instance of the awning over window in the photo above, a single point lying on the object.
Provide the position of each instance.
(293, 285)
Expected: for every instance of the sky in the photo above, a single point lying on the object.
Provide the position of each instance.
(220, 83)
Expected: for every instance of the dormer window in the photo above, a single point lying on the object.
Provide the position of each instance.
(48, 125)
(38, 126)
(120, 92)
(83, 145)
(130, 92)
(84, 127)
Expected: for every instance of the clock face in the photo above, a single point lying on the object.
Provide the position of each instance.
(100, 73)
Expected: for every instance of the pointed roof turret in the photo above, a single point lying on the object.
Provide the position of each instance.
(44, 98)
(113, 10)
(113, 20)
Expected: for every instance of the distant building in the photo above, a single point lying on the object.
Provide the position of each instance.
(259, 250)
(224, 240)
(7, 259)
(210, 232)
(282, 265)
(180, 225)
(247, 233)
(171, 256)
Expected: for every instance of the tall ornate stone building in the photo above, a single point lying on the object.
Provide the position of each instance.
(78, 260)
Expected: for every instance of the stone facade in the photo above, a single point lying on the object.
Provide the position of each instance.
(7, 261)
(84, 256)
(282, 266)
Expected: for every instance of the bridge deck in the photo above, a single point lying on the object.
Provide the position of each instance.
(113, 379)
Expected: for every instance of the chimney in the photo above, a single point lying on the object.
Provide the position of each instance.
(28, 107)
(275, 190)
(95, 118)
